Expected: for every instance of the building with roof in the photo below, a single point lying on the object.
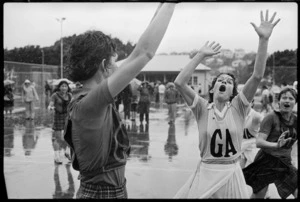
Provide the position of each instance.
(165, 68)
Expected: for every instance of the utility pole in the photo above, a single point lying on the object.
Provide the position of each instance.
(42, 75)
(61, 45)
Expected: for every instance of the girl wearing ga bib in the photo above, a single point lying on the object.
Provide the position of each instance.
(221, 122)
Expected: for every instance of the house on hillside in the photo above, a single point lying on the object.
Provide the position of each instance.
(165, 68)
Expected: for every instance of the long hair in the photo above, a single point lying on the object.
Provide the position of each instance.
(234, 93)
(86, 54)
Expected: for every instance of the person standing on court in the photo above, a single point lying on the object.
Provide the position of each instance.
(126, 95)
(59, 101)
(161, 91)
(29, 96)
(220, 122)
(95, 132)
(144, 102)
(171, 98)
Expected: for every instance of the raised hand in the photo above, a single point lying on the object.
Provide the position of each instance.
(266, 27)
(210, 49)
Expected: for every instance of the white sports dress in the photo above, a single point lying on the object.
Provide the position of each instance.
(218, 174)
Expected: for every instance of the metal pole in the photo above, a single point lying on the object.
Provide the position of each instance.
(61, 45)
(61, 50)
(42, 76)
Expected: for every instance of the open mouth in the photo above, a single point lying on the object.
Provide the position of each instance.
(286, 105)
(222, 88)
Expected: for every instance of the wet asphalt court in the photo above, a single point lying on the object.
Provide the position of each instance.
(162, 158)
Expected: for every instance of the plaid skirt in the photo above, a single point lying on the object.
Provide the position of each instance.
(59, 121)
(267, 169)
(91, 191)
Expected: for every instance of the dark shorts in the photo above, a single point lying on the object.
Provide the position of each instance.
(90, 191)
(267, 169)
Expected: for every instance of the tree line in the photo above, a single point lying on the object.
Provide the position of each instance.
(282, 65)
(33, 54)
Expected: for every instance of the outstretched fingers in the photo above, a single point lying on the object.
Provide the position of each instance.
(267, 15)
(275, 23)
(212, 43)
(272, 18)
(254, 26)
(216, 47)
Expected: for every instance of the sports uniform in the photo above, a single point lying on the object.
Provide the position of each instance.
(252, 124)
(218, 174)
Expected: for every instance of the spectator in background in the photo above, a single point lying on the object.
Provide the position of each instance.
(134, 104)
(48, 93)
(161, 91)
(118, 101)
(156, 94)
(29, 96)
(265, 100)
(126, 95)
(171, 98)
(144, 102)
(60, 99)
(8, 99)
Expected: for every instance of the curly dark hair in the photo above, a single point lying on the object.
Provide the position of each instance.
(86, 54)
(288, 89)
(234, 93)
(57, 89)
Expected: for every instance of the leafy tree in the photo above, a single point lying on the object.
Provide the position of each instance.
(52, 54)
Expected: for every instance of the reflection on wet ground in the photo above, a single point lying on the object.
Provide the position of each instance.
(139, 140)
(162, 157)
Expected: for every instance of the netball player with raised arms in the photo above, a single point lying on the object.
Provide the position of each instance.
(220, 122)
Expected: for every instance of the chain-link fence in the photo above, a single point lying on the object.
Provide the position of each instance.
(38, 74)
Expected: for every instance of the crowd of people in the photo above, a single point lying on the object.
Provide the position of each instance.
(238, 145)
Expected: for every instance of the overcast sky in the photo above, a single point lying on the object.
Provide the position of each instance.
(191, 25)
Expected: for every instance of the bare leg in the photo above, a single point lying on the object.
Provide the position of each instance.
(56, 147)
(27, 110)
